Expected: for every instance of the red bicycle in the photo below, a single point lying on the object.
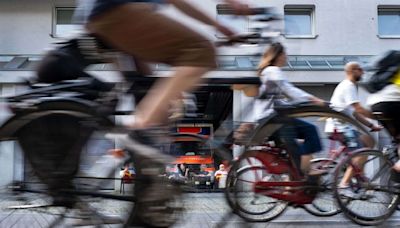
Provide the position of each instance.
(264, 180)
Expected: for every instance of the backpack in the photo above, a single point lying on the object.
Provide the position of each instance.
(384, 70)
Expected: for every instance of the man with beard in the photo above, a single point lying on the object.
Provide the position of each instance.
(345, 99)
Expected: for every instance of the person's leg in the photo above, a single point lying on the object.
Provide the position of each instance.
(391, 113)
(152, 110)
(367, 141)
(136, 29)
(364, 140)
(311, 144)
(287, 135)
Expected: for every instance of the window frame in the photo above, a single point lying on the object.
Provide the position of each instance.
(54, 21)
(387, 8)
(246, 18)
(301, 8)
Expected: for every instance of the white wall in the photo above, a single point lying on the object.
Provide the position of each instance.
(343, 27)
(26, 25)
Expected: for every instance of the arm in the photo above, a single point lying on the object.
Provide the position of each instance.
(249, 90)
(275, 75)
(360, 113)
(298, 94)
(360, 110)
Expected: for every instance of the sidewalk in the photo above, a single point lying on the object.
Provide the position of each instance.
(202, 210)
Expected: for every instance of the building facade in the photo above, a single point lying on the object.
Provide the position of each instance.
(320, 36)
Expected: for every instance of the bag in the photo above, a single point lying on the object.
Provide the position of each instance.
(64, 63)
(385, 67)
(69, 60)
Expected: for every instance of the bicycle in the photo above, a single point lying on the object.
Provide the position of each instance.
(88, 104)
(375, 193)
(264, 180)
(325, 204)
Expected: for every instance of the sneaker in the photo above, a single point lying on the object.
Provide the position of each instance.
(346, 192)
(141, 143)
(361, 194)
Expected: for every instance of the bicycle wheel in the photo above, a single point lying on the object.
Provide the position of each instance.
(52, 142)
(370, 198)
(251, 206)
(324, 203)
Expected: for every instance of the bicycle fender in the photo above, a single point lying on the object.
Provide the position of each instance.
(74, 107)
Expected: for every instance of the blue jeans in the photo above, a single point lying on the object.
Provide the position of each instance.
(296, 129)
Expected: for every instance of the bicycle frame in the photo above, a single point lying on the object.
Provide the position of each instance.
(296, 191)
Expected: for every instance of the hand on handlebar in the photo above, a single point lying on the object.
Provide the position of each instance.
(376, 128)
(319, 102)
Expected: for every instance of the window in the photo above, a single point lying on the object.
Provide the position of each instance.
(389, 22)
(239, 24)
(299, 21)
(63, 23)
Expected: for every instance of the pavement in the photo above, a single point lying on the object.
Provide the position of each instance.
(201, 210)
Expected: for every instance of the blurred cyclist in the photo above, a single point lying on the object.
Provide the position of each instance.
(136, 28)
(387, 101)
(277, 90)
(345, 99)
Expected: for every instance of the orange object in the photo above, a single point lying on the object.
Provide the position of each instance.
(194, 159)
(119, 153)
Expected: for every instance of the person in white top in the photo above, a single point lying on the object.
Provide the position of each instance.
(220, 176)
(275, 90)
(387, 101)
(345, 99)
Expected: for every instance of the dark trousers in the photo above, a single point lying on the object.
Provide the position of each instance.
(391, 117)
(294, 129)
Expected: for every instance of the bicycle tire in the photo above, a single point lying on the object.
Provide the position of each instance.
(274, 207)
(57, 110)
(324, 204)
(366, 214)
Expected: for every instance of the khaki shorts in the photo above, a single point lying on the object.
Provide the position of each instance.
(137, 29)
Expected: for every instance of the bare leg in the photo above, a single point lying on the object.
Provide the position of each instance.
(360, 161)
(153, 109)
(368, 142)
(306, 163)
(396, 166)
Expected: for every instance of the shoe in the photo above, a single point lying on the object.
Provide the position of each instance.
(140, 142)
(346, 192)
(317, 172)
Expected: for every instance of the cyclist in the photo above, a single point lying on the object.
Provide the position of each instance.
(276, 89)
(387, 101)
(136, 28)
(345, 99)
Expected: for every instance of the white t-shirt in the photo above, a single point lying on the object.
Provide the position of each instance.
(391, 93)
(279, 89)
(345, 94)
